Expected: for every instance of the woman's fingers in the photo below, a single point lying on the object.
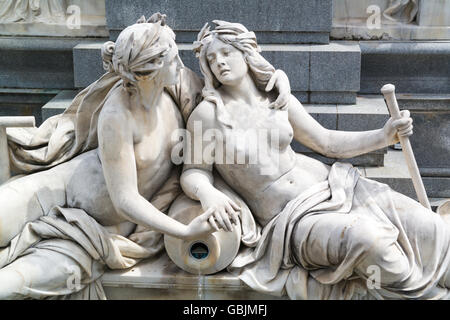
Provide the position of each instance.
(406, 132)
(232, 213)
(234, 205)
(403, 126)
(271, 82)
(226, 219)
(213, 223)
(219, 220)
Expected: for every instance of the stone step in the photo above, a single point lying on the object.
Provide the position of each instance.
(395, 174)
(37, 62)
(413, 67)
(25, 102)
(431, 138)
(160, 279)
(308, 67)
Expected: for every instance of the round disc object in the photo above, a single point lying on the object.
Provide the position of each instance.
(201, 256)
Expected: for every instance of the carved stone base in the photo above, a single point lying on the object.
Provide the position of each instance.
(160, 278)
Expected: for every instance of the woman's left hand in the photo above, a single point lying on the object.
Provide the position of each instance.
(281, 81)
(393, 129)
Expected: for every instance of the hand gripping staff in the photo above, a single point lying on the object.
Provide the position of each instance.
(388, 91)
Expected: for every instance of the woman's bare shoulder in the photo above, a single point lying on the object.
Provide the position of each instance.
(204, 112)
(115, 114)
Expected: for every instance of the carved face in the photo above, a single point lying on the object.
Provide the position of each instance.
(226, 62)
(171, 65)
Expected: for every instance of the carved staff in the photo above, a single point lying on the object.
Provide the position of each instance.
(389, 95)
(4, 154)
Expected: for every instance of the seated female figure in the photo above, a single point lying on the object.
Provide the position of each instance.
(325, 228)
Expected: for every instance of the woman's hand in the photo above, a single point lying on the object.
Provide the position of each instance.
(223, 209)
(393, 129)
(281, 81)
(200, 225)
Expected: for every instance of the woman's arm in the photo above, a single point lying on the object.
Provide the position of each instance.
(116, 151)
(344, 144)
(197, 178)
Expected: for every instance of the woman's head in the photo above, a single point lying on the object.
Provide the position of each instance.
(144, 51)
(230, 46)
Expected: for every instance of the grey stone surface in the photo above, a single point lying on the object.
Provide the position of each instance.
(434, 13)
(292, 16)
(325, 97)
(58, 104)
(87, 61)
(431, 138)
(368, 113)
(350, 21)
(37, 62)
(395, 174)
(421, 102)
(303, 97)
(413, 67)
(335, 67)
(24, 102)
(293, 59)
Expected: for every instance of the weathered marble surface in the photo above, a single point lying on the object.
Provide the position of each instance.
(391, 20)
(68, 18)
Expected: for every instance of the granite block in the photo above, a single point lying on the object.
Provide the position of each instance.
(413, 67)
(303, 21)
(431, 138)
(88, 65)
(325, 97)
(24, 102)
(368, 113)
(37, 62)
(335, 67)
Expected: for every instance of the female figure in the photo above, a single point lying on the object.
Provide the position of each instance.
(109, 179)
(326, 230)
(107, 168)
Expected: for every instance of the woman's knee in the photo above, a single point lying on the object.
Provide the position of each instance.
(12, 284)
(379, 251)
